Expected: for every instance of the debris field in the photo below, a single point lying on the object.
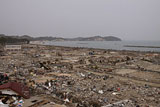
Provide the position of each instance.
(84, 77)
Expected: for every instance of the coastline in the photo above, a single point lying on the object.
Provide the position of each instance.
(141, 46)
(99, 49)
(115, 45)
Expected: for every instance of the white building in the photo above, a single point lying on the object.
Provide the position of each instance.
(13, 47)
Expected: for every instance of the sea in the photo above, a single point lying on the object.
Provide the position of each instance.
(113, 45)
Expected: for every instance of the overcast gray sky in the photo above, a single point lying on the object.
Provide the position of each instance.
(127, 19)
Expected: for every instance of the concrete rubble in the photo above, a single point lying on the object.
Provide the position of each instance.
(83, 77)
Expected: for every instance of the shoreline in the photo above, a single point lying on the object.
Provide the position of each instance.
(100, 49)
(122, 46)
(141, 46)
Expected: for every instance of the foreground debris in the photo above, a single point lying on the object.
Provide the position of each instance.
(81, 77)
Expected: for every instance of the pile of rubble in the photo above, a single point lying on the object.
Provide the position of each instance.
(80, 77)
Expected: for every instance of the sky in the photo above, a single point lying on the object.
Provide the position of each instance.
(126, 19)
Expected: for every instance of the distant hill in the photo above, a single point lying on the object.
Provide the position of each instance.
(29, 38)
(49, 38)
(94, 38)
(97, 38)
(12, 40)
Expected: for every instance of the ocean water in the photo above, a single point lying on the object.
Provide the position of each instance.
(115, 45)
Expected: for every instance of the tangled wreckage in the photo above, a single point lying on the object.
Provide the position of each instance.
(52, 76)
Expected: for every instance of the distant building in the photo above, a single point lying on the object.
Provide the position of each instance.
(37, 42)
(13, 47)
